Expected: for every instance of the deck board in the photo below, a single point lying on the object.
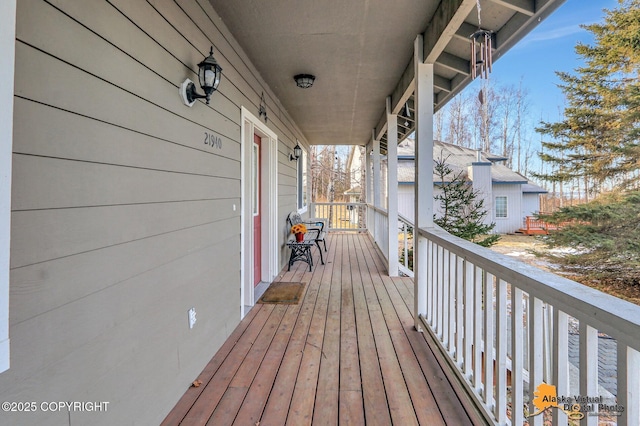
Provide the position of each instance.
(347, 354)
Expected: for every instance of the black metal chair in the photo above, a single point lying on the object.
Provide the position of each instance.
(313, 225)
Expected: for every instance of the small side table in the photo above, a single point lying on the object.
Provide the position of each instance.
(301, 251)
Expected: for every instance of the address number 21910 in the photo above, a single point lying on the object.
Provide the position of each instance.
(212, 140)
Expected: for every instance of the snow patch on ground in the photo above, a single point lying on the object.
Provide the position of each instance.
(519, 254)
(566, 250)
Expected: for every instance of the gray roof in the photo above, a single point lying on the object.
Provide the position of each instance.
(354, 190)
(458, 158)
(533, 188)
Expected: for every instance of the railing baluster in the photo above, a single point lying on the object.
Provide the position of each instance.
(501, 351)
(517, 364)
(628, 385)
(488, 338)
(588, 367)
(460, 324)
(547, 331)
(430, 274)
(477, 330)
(468, 319)
(535, 355)
(451, 302)
(445, 303)
(439, 307)
(560, 360)
(405, 238)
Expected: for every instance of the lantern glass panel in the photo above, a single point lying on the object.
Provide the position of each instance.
(209, 78)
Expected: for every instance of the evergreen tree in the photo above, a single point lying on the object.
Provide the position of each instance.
(598, 136)
(463, 211)
(604, 235)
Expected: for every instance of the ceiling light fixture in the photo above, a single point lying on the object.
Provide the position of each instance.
(304, 81)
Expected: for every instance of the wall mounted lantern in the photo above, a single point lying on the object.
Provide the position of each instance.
(262, 111)
(209, 73)
(297, 152)
(304, 81)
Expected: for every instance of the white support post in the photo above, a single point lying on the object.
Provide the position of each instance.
(7, 66)
(376, 173)
(369, 182)
(392, 189)
(369, 175)
(423, 175)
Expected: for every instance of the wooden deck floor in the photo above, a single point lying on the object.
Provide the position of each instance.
(348, 354)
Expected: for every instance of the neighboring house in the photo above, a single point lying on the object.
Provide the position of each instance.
(509, 196)
(354, 166)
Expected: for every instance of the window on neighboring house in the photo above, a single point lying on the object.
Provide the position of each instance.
(501, 206)
(302, 181)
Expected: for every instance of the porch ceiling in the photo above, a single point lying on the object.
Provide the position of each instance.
(361, 51)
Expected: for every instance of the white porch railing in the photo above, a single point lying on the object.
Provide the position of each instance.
(405, 240)
(379, 220)
(527, 326)
(341, 216)
(463, 280)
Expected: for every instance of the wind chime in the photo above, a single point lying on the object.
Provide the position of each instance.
(483, 38)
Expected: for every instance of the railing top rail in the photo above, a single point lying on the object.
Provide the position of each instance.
(405, 219)
(341, 203)
(378, 209)
(616, 317)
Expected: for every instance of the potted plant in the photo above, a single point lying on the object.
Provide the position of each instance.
(299, 230)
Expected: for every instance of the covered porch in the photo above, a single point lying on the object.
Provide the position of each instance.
(348, 353)
(468, 339)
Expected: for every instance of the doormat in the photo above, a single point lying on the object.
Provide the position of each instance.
(283, 293)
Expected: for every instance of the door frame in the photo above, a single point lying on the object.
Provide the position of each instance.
(7, 80)
(269, 210)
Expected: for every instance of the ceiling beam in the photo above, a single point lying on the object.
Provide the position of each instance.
(512, 32)
(464, 32)
(401, 95)
(450, 19)
(442, 28)
(442, 83)
(454, 63)
(526, 7)
(521, 24)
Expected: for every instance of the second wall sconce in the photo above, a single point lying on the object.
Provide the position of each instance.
(209, 73)
(297, 152)
(262, 111)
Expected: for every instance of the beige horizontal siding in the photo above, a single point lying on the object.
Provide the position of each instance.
(122, 217)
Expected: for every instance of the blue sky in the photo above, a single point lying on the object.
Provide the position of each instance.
(549, 48)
